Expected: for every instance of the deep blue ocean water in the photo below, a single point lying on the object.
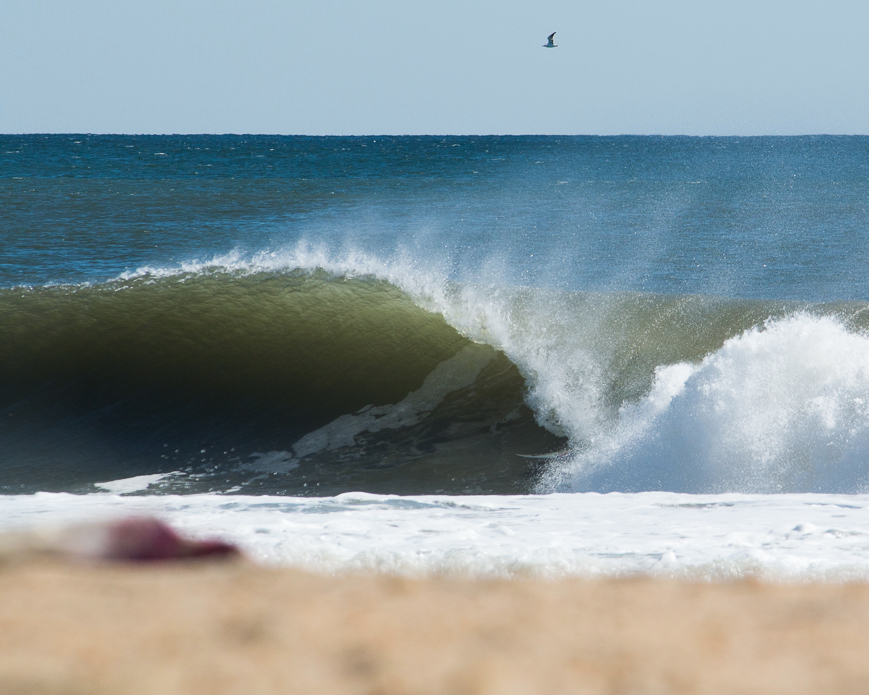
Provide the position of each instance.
(763, 217)
(310, 315)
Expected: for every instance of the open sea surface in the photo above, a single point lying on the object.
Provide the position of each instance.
(496, 356)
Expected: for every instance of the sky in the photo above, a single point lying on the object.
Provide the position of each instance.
(342, 67)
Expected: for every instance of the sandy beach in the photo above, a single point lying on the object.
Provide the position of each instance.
(234, 627)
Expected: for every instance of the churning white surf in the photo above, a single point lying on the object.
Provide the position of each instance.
(782, 407)
(776, 537)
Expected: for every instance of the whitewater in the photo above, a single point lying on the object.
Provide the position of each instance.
(443, 402)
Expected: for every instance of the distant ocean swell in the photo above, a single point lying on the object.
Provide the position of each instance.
(314, 377)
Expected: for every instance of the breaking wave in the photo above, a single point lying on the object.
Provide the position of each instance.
(295, 373)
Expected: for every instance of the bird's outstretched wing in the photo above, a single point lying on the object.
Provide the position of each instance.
(551, 37)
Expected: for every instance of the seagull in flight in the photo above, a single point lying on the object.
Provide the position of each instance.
(551, 43)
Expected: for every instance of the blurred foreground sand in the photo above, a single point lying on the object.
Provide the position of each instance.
(215, 628)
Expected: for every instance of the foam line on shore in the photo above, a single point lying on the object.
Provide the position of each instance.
(710, 537)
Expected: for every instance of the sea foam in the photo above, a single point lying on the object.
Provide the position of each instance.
(780, 408)
(698, 537)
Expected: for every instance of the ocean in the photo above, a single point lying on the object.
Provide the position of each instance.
(496, 356)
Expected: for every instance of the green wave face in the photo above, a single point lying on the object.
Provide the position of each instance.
(207, 373)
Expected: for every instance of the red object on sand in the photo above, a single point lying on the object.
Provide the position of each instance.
(143, 539)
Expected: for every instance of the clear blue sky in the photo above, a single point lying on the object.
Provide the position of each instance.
(699, 67)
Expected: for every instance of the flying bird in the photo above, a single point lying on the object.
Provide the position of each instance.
(551, 43)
